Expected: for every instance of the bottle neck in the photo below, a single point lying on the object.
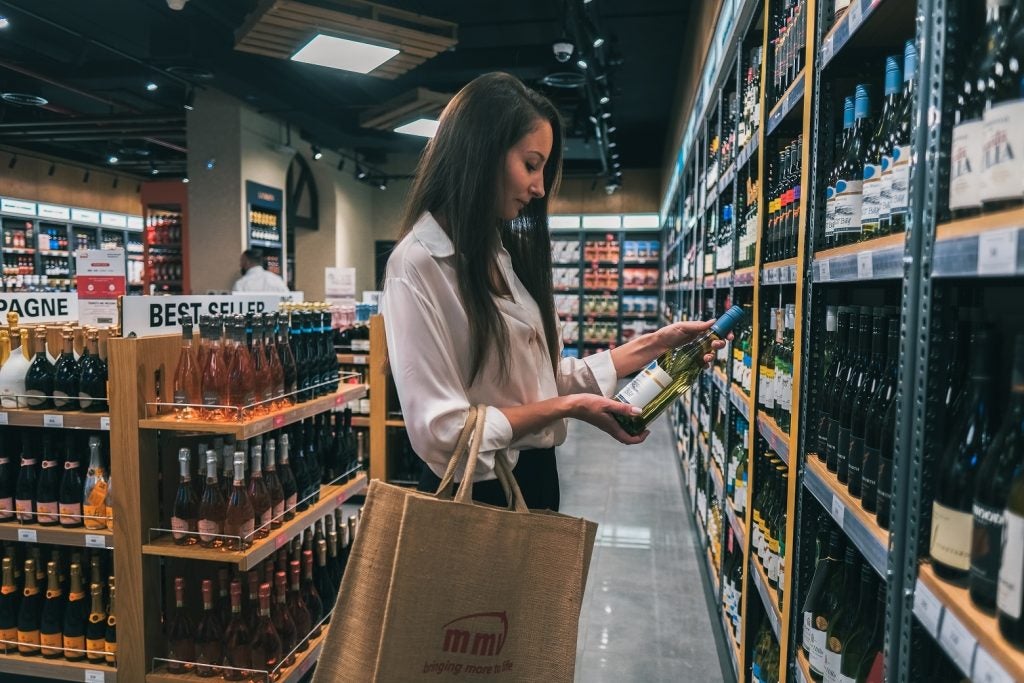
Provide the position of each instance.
(239, 479)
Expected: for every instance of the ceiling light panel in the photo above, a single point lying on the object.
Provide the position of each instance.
(344, 54)
(426, 128)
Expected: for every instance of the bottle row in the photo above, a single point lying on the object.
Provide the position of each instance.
(788, 35)
(775, 366)
(251, 364)
(163, 229)
(54, 609)
(283, 478)
(50, 487)
(31, 380)
(352, 332)
(289, 598)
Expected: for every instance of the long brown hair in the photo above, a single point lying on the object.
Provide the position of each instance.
(459, 177)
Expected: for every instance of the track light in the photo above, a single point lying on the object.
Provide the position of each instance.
(190, 100)
(13, 162)
(317, 154)
(606, 115)
(211, 164)
(383, 184)
(612, 129)
(360, 172)
(53, 169)
(593, 119)
(341, 164)
(85, 177)
(615, 155)
(4, 22)
(112, 159)
(582, 63)
(151, 86)
(612, 144)
(598, 42)
(153, 170)
(605, 99)
(114, 184)
(185, 179)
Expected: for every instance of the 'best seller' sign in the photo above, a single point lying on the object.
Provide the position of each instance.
(147, 316)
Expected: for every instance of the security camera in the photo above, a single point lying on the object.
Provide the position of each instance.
(563, 51)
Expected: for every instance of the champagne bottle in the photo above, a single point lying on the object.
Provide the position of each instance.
(75, 616)
(266, 643)
(289, 487)
(8, 477)
(310, 595)
(827, 575)
(237, 637)
(992, 489)
(94, 495)
(8, 608)
(180, 633)
(39, 378)
(69, 504)
(185, 513)
(50, 622)
(259, 495)
(92, 379)
(300, 612)
(670, 375)
(66, 375)
(47, 490)
(281, 617)
(110, 634)
(25, 489)
(950, 547)
(287, 356)
(239, 521)
(29, 612)
(187, 379)
(275, 489)
(212, 508)
(209, 636)
(96, 629)
(300, 468)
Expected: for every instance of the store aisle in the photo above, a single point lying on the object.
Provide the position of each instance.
(645, 614)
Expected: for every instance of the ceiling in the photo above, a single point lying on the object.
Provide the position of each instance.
(92, 60)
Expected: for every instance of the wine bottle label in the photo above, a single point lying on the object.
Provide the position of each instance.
(899, 181)
(208, 530)
(1011, 569)
(845, 679)
(871, 194)
(855, 461)
(180, 528)
(784, 390)
(869, 477)
(94, 516)
(179, 397)
(74, 643)
(24, 509)
(95, 646)
(47, 513)
(86, 400)
(210, 398)
(766, 388)
(951, 536)
(885, 193)
(830, 210)
(34, 398)
(60, 398)
(965, 160)
(69, 513)
(8, 635)
(740, 499)
(51, 643)
(843, 450)
(817, 650)
(986, 545)
(833, 660)
(28, 641)
(807, 631)
(646, 386)
(849, 198)
(1002, 148)
(110, 651)
(7, 508)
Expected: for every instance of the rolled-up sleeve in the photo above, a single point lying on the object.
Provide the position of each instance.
(591, 375)
(434, 400)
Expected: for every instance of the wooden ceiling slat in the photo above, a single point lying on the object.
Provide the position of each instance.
(270, 38)
(255, 49)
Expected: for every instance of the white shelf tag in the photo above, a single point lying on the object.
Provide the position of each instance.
(865, 268)
(823, 270)
(997, 252)
(826, 49)
(53, 420)
(988, 670)
(957, 641)
(105, 423)
(856, 13)
(927, 608)
(95, 541)
(838, 510)
(3, 418)
(94, 676)
(360, 360)
(27, 535)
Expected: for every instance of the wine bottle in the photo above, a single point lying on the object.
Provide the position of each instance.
(94, 495)
(209, 636)
(854, 612)
(8, 477)
(300, 469)
(858, 372)
(213, 370)
(275, 488)
(300, 612)
(873, 192)
(273, 358)
(212, 508)
(48, 488)
(227, 476)
(314, 470)
(286, 353)
(75, 616)
(180, 632)
(896, 166)
(992, 489)
(671, 374)
(863, 659)
(66, 375)
(14, 369)
(92, 378)
(310, 595)
(1002, 142)
(96, 629)
(188, 388)
(110, 633)
(950, 547)
(266, 643)
(25, 489)
(322, 578)
(966, 158)
(50, 636)
(39, 378)
(237, 637)
(259, 495)
(850, 172)
(29, 612)
(185, 512)
(862, 402)
(766, 366)
(281, 617)
(334, 567)
(289, 487)
(820, 601)
(69, 506)
(830, 234)
(877, 408)
(239, 520)
(8, 608)
(241, 376)
(262, 381)
(224, 596)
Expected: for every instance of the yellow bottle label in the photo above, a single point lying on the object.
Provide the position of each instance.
(111, 651)
(28, 641)
(74, 647)
(51, 642)
(96, 648)
(8, 636)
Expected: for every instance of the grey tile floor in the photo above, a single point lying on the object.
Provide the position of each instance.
(645, 616)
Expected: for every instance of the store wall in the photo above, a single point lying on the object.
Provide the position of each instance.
(640, 193)
(30, 179)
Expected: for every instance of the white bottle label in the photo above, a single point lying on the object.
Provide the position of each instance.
(830, 210)
(885, 194)
(208, 530)
(841, 5)
(1011, 569)
(817, 651)
(848, 206)
(179, 527)
(899, 181)
(645, 386)
(951, 536)
(845, 679)
(1002, 147)
(965, 165)
(808, 631)
(871, 194)
(833, 660)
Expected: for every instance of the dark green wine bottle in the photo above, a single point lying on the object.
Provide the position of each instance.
(878, 408)
(840, 623)
(858, 373)
(862, 402)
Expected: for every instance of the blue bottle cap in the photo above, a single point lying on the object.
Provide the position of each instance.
(848, 112)
(862, 103)
(724, 325)
(909, 61)
(893, 81)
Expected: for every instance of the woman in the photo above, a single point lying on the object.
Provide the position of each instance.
(468, 305)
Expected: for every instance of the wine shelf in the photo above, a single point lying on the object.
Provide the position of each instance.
(803, 668)
(777, 439)
(787, 103)
(769, 598)
(56, 669)
(353, 358)
(22, 417)
(717, 479)
(394, 422)
(859, 524)
(246, 429)
(737, 526)
(713, 571)
(845, 28)
(747, 152)
(779, 272)
(720, 380)
(733, 647)
(741, 402)
(360, 421)
(57, 535)
(877, 259)
(969, 636)
(330, 498)
(728, 176)
(985, 246)
(304, 661)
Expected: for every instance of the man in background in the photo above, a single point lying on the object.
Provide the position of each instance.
(254, 277)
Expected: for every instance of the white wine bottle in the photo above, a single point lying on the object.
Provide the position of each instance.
(671, 374)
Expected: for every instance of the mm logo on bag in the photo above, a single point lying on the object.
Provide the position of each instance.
(482, 634)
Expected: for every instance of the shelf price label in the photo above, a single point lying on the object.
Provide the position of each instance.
(838, 510)
(278, 421)
(987, 669)
(27, 535)
(927, 608)
(95, 541)
(105, 424)
(865, 266)
(824, 273)
(280, 541)
(95, 676)
(856, 16)
(997, 252)
(359, 360)
(3, 418)
(958, 642)
(53, 420)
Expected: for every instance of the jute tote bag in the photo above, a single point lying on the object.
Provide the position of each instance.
(437, 587)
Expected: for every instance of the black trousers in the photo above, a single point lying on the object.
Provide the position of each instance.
(535, 472)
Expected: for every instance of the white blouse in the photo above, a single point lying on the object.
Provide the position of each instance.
(429, 352)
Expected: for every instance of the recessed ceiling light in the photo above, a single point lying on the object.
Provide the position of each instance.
(4, 22)
(605, 99)
(151, 86)
(612, 145)
(599, 41)
(606, 115)
(612, 129)
(426, 128)
(185, 179)
(582, 64)
(112, 159)
(341, 53)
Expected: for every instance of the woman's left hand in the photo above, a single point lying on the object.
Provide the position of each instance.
(681, 333)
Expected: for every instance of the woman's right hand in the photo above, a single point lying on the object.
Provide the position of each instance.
(600, 412)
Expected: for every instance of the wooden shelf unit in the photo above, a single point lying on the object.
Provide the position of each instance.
(57, 535)
(60, 669)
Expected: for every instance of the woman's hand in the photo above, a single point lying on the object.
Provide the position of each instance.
(681, 333)
(600, 411)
